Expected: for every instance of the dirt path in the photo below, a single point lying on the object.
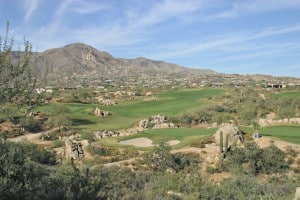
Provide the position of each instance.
(267, 141)
(118, 163)
(33, 137)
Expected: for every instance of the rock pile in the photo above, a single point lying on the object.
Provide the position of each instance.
(266, 122)
(106, 102)
(156, 121)
(101, 113)
(74, 149)
(103, 134)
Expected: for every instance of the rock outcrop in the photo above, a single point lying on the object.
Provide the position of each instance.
(103, 134)
(156, 121)
(271, 120)
(74, 149)
(101, 113)
(105, 102)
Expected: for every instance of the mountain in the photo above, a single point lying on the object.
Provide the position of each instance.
(79, 63)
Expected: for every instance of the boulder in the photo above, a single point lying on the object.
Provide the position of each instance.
(297, 194)
(232, 132)
(143, 123)
(74, 149)
(162, 125)
(97, 112)
(101, 113)
(158, 119)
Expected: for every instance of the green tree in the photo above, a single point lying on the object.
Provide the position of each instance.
(30, 124)
(17, 80)
(160, 158)
(59, 121)
(22, 171)
(59, 117)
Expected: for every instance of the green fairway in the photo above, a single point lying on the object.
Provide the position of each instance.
(126, 114)
(290, 94)
(286, 133)
(184, 135)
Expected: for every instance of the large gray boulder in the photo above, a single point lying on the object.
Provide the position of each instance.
(235, 136)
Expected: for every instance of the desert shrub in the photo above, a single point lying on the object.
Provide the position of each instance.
(58, 143)
(56, 135)
(160, 159)
(186, 119)
(255, 160)
(296, 170)
(11, 134)
(291, 152)
(30, 124)
(2, 120)
(273, 160)
(202, 141)
(87, 136)
(210, 170)
(102, 151)
(290, 160)
(249, 187)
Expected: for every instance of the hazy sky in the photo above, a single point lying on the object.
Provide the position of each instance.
(231, 36)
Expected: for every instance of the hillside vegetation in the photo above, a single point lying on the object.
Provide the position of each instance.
(108, 128)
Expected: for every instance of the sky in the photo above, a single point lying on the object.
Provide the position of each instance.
(228, 36)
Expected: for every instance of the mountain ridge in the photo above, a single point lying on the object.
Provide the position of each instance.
(76, 62)
(79, 64)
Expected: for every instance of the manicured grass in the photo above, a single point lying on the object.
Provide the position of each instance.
(291, 94)
(286, 133)
(126, 114)
(184, 135)
(169, 103)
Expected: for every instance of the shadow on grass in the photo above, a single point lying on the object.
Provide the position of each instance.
(263, 134)
(77, 122)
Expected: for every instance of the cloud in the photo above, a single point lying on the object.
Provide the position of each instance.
(82, 7)
(162, 11)
(249, 7)
(272, 31)
(236, 46)
(30, 7)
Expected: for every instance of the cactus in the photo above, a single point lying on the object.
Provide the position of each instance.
(226, 143)
(221, 141)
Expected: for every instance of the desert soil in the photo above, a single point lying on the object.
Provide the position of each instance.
(33, 138)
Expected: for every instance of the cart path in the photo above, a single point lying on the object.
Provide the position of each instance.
(33, 137)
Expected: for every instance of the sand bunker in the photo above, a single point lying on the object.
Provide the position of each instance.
(145, 142)
(173, 142)
(138, 142)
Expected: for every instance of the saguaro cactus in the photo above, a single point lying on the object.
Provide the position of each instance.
(221, 141)
(226, 143)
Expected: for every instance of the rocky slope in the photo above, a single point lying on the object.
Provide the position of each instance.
(76, 63)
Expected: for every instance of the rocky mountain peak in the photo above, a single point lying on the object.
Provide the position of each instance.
(79, 61)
